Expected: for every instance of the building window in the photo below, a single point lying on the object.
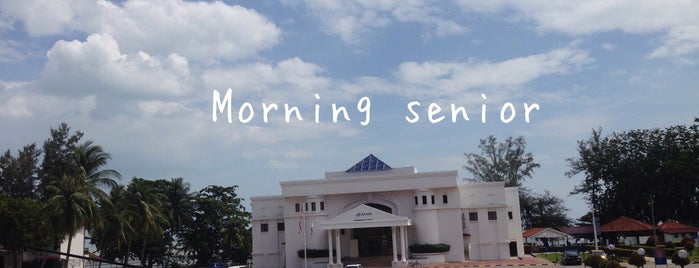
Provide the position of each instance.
(416, 200)
(306, 207)
(298, 207)
(313, 206)
(264, 227)
(509, 214)
(280, 226)
(424, 200)
(492, 215)
(432, 197)
(322, 205)
(444, 199)
(473, 216)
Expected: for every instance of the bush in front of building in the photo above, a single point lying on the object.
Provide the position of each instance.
(688, 244)
(679, 261)
(650, 241)
(594, 261)
(610, 264)
(314, 253)
(637, 260)
(429, 248)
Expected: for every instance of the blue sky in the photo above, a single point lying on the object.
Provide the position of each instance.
(138, 78)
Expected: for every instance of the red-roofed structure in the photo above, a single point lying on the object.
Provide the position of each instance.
(625, 224)
(675, 231)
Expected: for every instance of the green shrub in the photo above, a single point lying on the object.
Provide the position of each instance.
(429, 248)
(594, 261)
(679, 261)
(650, 241)
(669, 245)
(637, 260)
(611, 264)
(689, 245)
(314, 253)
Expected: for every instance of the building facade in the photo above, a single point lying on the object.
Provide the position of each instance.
(374, 210)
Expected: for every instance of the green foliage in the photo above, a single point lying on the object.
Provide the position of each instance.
(429, 248)
(679, 261)
(651, 241)
(637, 260)
(669, 244)
(18, 175)
(542, 210)
(625, 171)
(506, 161)
(314, 253)
(610, 264)
(688, 244)
(219, 229)
(594, 261)
(22, 222)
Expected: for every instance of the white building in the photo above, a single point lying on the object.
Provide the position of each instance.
(373, 210)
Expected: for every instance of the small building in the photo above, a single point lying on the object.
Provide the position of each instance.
(675, 231)
(626, 230)
(372, 210)
(546, 237)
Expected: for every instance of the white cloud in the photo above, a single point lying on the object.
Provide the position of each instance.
(676, 20)
(353, 19)
(439, 79)
(98, 67)
(195, 30)
(292, 80)
(16, 101)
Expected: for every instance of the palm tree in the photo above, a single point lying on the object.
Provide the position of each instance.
(113, 237)
(89, 158)
(179, 207)
(71, 206)
(146, 204)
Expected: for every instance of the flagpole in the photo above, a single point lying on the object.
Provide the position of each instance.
(305, 254)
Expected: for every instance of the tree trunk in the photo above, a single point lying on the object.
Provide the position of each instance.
(70, 241)
(143, 253)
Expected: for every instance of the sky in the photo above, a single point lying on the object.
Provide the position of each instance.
(144, 79)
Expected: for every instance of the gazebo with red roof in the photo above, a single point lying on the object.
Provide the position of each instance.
(675, 231)
(627, 227)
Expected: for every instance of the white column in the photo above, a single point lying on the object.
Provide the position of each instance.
(330, 246)
(337, 246)
(403, 241)
(393, 236)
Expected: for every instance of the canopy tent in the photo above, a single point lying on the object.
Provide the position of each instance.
(546, 236)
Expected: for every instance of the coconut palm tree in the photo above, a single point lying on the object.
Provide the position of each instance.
(71, 205)
(89, 158)
(145, 202)
(113, 237)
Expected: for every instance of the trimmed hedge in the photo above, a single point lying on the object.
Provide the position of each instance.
(315, 253)
(429, 248)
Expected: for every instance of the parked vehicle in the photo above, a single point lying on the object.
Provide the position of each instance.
(571, 256)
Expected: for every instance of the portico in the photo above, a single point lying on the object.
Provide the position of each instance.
(364, 216)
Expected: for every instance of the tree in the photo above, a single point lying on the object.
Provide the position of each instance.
(544, 210)
(70, 206)
(113, 237)
(510, 163)
(89, 158)
(218, 230)
(18, 175)
(58, 156)
(641, 172)
(148, 220)
(505, 161)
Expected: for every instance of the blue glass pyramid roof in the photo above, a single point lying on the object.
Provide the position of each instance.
(369, 163)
